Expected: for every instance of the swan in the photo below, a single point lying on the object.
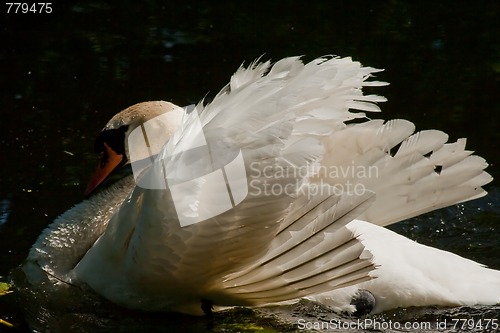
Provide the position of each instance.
(278, 189)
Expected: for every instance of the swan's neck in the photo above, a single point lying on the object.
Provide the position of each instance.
(62, 245)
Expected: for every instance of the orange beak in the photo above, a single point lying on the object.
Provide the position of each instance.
(109, 161)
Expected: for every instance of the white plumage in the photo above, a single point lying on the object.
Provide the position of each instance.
(412, 274)
(292, 123)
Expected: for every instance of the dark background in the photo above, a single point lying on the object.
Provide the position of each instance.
(64, 74)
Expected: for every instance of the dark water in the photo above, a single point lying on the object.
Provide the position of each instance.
(64, 74)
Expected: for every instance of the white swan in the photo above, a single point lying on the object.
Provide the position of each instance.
(310, 166)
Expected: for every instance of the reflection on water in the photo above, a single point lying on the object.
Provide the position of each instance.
(4, 211)
(63, 78)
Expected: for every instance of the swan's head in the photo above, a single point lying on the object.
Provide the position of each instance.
(112, 142)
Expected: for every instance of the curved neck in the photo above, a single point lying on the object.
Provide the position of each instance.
(64, 242)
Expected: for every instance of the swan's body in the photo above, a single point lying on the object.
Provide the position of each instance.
(412, 274)
(132, 244)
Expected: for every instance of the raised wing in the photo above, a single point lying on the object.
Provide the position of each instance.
(227, 187)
